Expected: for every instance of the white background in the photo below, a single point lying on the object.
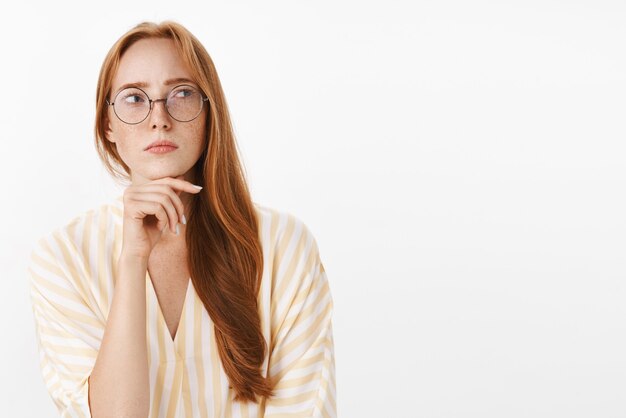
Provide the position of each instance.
(461, 165)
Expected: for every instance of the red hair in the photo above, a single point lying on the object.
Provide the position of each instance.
(225, 254)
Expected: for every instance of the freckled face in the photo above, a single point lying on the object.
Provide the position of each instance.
(155, 62)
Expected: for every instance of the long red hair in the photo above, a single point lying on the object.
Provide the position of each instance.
(225, 254)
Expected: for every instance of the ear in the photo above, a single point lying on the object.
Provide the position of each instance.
(108, 131)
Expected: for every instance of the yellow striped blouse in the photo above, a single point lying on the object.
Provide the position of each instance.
(72, 277)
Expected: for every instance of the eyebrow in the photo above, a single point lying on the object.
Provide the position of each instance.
(143, 84)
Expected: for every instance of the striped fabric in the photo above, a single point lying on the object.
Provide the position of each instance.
(72, 277)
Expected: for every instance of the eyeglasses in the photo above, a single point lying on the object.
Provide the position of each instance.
(132, 105)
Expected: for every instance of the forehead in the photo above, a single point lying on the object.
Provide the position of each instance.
(151, 62)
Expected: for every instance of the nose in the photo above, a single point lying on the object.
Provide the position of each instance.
(159, 117)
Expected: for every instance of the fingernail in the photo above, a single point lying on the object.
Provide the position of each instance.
(177, 230)
(197, 187)
(184, 220)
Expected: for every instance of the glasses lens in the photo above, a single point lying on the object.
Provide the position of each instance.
(131, 105)
(184, 103)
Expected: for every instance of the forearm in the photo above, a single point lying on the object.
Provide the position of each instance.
(119, 385)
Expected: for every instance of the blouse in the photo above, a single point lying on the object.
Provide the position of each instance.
(72, 278)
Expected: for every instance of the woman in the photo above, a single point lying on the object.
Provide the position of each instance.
(182, 298)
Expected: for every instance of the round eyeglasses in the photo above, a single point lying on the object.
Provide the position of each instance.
(132, 105)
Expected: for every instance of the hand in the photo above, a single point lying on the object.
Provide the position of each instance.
(149, 209)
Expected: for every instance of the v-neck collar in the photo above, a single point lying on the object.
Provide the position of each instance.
(161, 317)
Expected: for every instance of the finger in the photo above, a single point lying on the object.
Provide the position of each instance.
(161, 215)
(165, 201)
(179, 192)
(139, 209)
(179, 184)
(166, 190)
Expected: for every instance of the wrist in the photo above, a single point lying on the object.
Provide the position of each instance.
(130, 259)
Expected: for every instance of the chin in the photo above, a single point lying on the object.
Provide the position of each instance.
(140, 178)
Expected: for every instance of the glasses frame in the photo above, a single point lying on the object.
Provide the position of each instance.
(164, 100)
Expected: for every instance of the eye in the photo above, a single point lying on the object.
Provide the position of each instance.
(183, 93)
(133, 98)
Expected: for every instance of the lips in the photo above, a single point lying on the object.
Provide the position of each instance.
(161, 144)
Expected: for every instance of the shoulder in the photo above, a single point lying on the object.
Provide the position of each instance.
(76, 243)
(294, 276)
(291, 254)
(70, 268)
(280, 230)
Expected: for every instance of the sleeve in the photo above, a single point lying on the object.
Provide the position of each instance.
(68, 332)
(301, 363)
